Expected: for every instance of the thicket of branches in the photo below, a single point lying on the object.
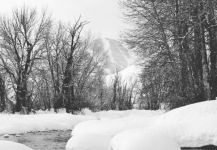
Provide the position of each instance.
(178, 38)
(45, 65)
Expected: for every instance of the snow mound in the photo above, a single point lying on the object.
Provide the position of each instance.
(108, 126)
(88, 142)
(90, 132)
(8, 145)
(194, 125)
(140, 139)
(189, 126)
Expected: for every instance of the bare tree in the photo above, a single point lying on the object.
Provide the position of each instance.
(122, 93)
(21, 41)
(56, 45)
(74, 44)
(2, 94)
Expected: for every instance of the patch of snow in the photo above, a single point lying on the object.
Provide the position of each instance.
(107, 127)
(141, 139)
(8, 145)
(189, 126)
(115, 114)
(46, 121)
(194, 125)
(111, 126)
(14, 123)
(88, 142)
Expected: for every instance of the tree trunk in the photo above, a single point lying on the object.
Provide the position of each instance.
(213, 50)
(68, 86)
(2, 94)
(183, 49)
(21, 93)
(197, 66)
(207, 91)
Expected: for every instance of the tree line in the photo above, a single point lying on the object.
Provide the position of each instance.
(45, 65)
(178, 41)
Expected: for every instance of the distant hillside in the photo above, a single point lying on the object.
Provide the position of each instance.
(117, 57)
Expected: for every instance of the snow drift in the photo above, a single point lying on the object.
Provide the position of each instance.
(140, 139)
(105, 128)
(189, 126)
(194, 125)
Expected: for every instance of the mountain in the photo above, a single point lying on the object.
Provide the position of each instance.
(117, 59)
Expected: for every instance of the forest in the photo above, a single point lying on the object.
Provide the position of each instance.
(45, 64)
(178, 38)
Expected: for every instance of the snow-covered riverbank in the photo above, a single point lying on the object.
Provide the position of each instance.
(15, 123)
(48, 121)
(12, 124)
(190, 126)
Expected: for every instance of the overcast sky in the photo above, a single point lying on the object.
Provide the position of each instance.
(104, 15)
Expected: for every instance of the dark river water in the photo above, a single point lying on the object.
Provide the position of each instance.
(55, 140)
(51, 140)
(210, 147)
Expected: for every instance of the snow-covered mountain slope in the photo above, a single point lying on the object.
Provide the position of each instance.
(115, 55)
(128, 75)
(117, 59)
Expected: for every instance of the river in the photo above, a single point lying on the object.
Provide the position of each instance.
(49, 140)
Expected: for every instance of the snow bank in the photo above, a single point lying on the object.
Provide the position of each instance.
(88, 142)
(190, 126)
(89, 132)
(193, 125)
(46, 121)
(113, 114)
(42, 122)
(7, 145)
(140, 139)
(122, 121)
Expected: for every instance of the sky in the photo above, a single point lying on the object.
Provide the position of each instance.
(104, 16)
